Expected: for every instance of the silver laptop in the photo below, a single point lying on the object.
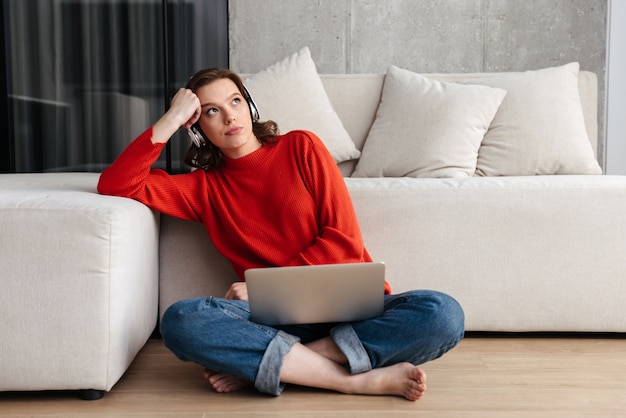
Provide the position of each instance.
(316, 294)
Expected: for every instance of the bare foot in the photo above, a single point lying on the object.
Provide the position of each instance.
(402, 379)
(223, 383)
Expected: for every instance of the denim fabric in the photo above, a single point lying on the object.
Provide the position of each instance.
(417, 326)
(268, 376)
(350, 345)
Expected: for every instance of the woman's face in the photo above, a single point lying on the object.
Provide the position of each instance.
(226, 120)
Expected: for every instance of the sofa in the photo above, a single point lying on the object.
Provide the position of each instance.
(85, 277)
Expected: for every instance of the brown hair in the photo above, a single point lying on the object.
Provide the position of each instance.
(210, 156)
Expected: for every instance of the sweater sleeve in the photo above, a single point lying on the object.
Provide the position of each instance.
(130, 175)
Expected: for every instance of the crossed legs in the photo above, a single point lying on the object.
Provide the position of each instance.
(376, 357)
(321, 364)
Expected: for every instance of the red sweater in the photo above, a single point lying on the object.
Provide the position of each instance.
(283, 205)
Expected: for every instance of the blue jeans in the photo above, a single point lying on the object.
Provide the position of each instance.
(416, 327)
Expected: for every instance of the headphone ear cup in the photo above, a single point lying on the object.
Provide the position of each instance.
(254, 110)
(196, 136)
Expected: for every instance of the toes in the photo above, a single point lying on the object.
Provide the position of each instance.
(416, 392)
(419, 375)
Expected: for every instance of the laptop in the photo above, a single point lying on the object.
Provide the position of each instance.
(316, 294)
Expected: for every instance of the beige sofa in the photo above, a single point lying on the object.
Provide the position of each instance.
(83, 275)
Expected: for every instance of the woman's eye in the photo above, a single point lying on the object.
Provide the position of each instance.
(236, 100)
(211, 112)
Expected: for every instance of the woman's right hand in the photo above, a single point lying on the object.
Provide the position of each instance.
(186, 106)
(237, 291)
(184, 111)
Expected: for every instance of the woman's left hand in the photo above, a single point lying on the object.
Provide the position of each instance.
(237, 291)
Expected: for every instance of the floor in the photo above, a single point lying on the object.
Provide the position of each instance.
(485, 376)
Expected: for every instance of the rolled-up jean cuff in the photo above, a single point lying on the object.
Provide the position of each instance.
(349, 343)
(268, 377)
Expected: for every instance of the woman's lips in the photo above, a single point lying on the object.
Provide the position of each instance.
(234, 131)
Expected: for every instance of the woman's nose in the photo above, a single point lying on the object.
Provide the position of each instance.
(229, 116)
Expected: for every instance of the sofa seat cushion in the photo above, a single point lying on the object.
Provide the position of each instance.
(506, 247)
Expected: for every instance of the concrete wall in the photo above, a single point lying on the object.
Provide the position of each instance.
(616, 90)
(426, 36)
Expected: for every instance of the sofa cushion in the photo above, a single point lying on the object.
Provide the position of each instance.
(539, 128)
(427, 128)
(291, 93)
(528, 253)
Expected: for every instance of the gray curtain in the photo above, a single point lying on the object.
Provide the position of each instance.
(85, 77)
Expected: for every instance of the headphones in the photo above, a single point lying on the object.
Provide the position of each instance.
(197, 136)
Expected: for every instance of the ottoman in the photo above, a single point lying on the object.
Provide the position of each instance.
(78, 283)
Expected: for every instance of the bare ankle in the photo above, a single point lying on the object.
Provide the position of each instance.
(326, 347)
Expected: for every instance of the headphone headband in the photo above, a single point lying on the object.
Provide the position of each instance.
(254, 110)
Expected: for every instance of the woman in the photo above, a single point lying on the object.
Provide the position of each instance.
(274, 200)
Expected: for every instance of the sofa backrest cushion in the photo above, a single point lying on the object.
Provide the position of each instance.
(355, 98)
(291, 93)
(539, 128)
(427, 128)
